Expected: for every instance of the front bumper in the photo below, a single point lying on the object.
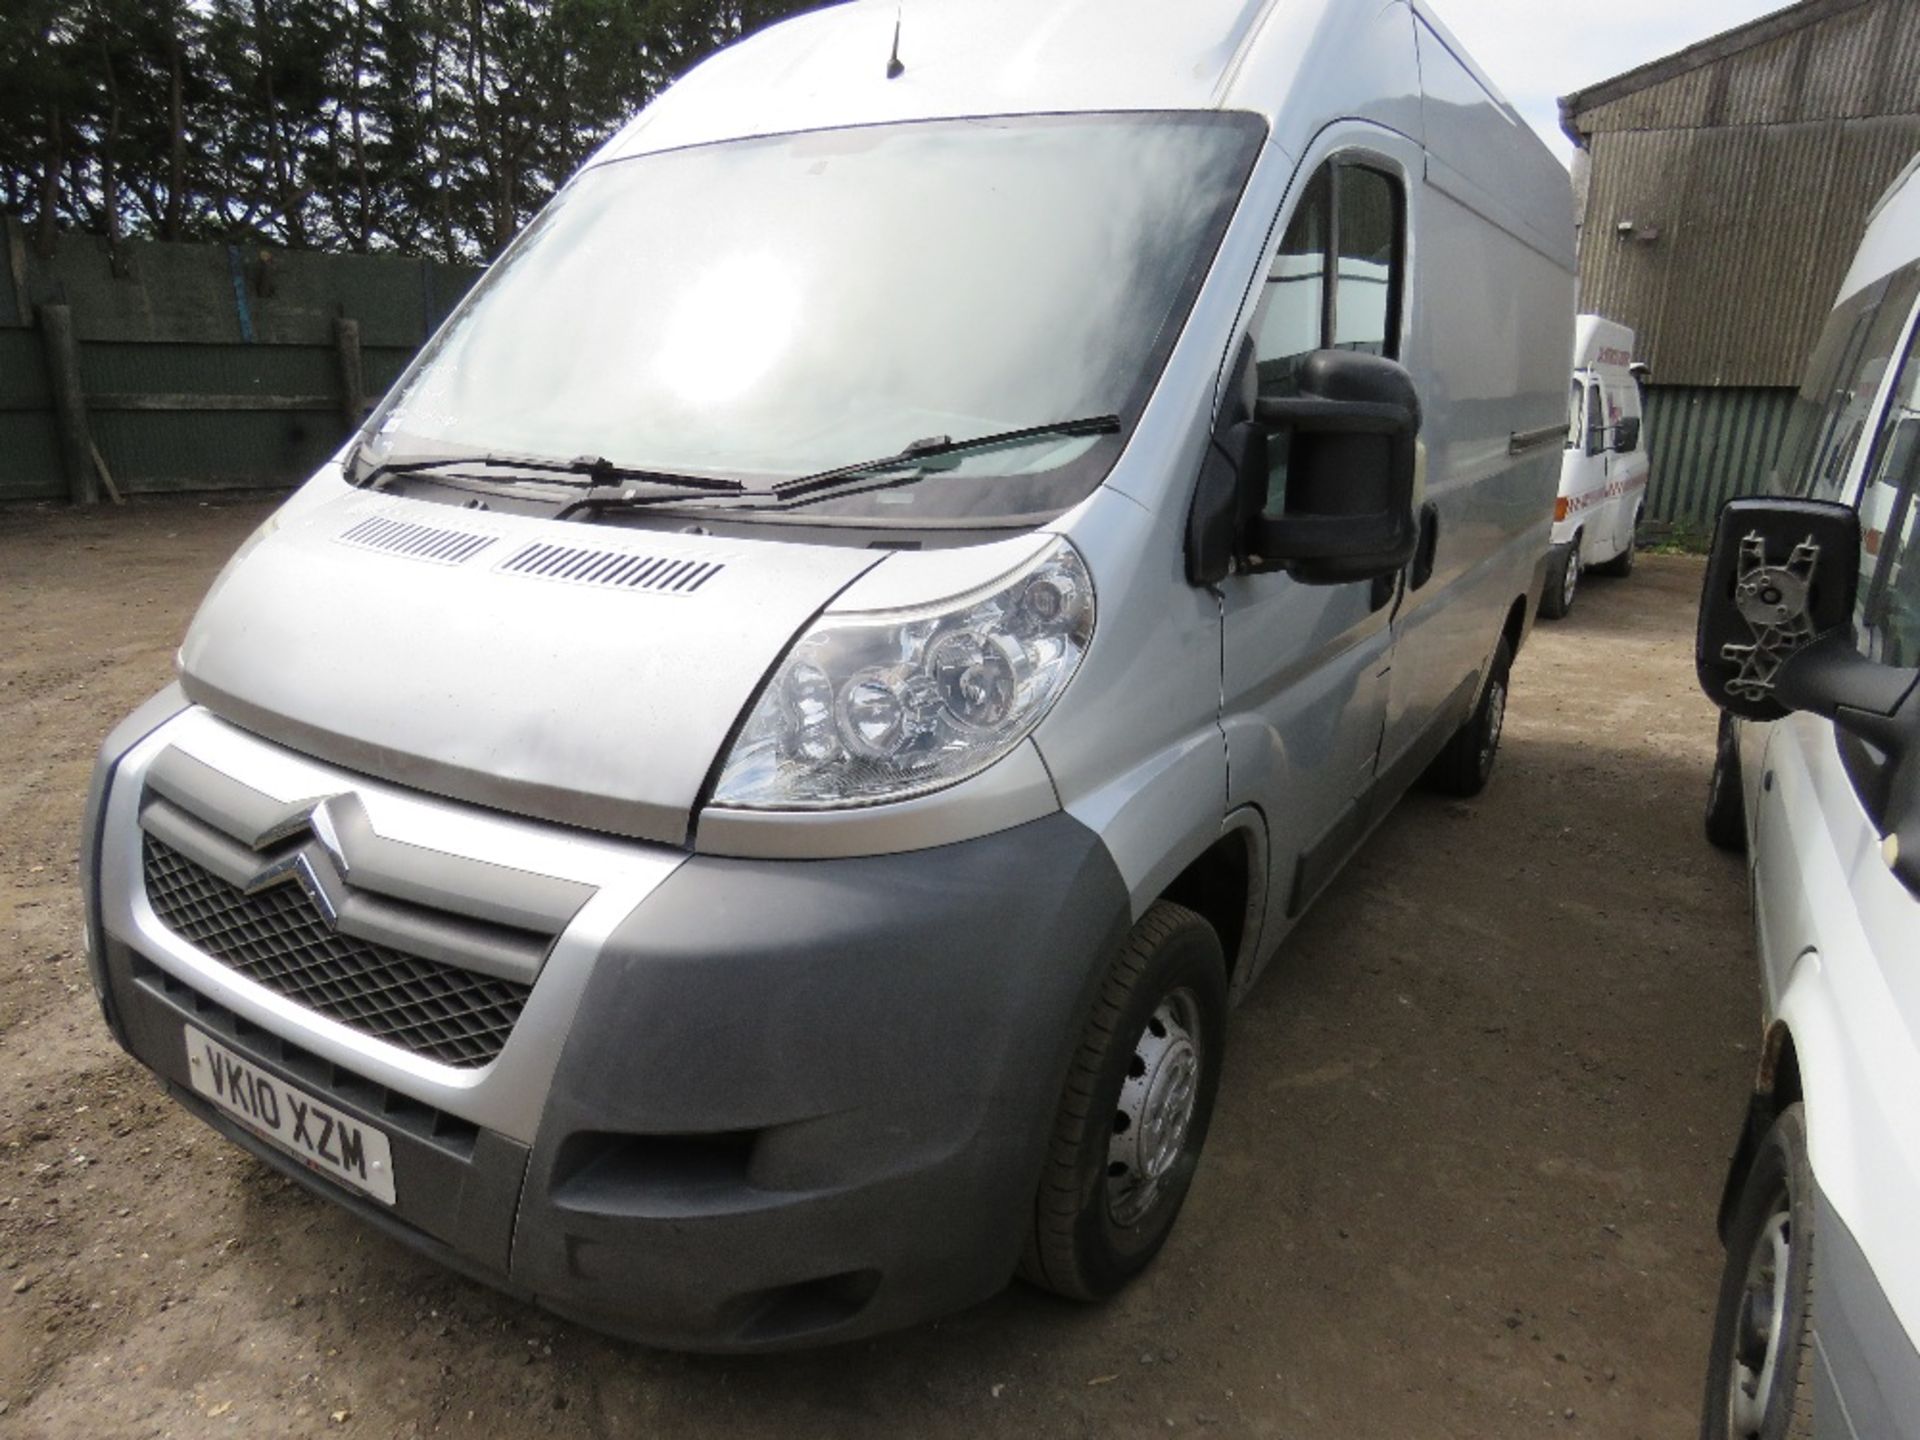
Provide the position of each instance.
(750, 1104)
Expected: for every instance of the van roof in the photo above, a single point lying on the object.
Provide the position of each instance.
(1599, 343)
(828, 67)
(1892, 240)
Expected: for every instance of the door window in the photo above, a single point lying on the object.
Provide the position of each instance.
(1336, 282)
(1366, 301)
(1887, 612)
(1623, 411)
(1596, 420)
(1843, 378)
(1888, 615)
(1576, 415)
(1293, 308)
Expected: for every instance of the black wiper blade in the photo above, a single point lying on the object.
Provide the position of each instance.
(938, 445)
(595, 470)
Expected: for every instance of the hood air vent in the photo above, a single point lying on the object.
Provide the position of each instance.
(416, 542)
(617, 569)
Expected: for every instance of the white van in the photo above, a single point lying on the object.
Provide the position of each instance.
(1810, 643)
(1604, 470)
(737, 807)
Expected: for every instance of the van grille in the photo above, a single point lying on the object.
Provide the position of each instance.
(278, 938)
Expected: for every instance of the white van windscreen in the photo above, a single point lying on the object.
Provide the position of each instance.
(767, 309)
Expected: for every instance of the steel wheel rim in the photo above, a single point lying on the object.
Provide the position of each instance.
(1760, 1324)
(1153, 1117)
(1570, 581)
(1496, 722)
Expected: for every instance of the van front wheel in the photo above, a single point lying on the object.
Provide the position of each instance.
(1127, 1137)
(1760, 1368)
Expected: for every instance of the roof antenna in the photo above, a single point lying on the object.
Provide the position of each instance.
(895, 69)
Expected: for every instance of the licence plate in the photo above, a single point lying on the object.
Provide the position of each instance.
(314, 1133)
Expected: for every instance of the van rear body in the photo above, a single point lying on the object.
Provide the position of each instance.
(1035, 512)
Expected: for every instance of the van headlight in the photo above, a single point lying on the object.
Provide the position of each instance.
(883, 706)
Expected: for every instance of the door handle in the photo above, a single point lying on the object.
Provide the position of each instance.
(1427, 547)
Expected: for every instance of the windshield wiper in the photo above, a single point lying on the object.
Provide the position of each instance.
(920, 451)
(593, 469)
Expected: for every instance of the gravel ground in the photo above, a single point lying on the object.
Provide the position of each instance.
(1461, 1182)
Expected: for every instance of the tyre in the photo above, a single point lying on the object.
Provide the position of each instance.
(1621, 565)
(1726, 801)
(1465, 766)
(1563, 580)
(1133, 1117)
(1760, 1369)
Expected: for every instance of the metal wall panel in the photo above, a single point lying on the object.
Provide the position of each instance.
(1741, 237)
(1747, 175)
(1707, 445)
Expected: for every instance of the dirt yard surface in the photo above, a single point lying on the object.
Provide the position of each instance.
(1461, 1182)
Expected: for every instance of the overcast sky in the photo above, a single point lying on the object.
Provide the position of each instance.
(1539, 50)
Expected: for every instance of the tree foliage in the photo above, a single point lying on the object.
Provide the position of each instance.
(434, 127)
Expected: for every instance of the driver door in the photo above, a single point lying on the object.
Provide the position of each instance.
(1305, 667)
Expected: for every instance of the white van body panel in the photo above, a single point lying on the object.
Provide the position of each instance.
(1834, 931)
(1889, 242)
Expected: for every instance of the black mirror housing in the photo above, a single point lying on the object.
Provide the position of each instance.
(1781, 574)
(1351, 436)
(1626, 435)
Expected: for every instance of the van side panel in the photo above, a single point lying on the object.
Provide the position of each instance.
(1492, 159)
(1492, 330)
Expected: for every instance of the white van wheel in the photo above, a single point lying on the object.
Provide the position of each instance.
(1127, 1137)
(1760, 1370)
(1563, 580)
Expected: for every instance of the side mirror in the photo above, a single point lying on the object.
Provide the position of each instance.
(1781, 574)
(1349, 438)
(1626, 435)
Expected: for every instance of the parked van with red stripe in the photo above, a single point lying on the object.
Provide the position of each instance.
(1603, 479)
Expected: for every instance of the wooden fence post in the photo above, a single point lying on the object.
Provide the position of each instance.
(69, 403)
(353, 386)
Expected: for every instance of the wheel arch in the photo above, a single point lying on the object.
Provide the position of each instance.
(1226, 885)
(1803, 1062)
(1516, 627)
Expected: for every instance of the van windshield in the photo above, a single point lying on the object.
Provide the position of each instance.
(777, 307)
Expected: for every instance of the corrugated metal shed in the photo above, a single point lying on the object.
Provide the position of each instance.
(1725, 187)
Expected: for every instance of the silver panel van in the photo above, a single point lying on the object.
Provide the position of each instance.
(737, 806)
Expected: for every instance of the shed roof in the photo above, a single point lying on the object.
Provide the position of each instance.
(1724, 189)
(1702, 56)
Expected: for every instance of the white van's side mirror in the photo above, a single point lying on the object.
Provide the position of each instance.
(1626, 435)
(1349, 441)
(1781, 574)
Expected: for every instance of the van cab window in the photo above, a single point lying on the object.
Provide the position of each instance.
(1888, 617)
(1843, 380)
(1596, 420)
(776, 307)
(1336, 282)
(1576, 415)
